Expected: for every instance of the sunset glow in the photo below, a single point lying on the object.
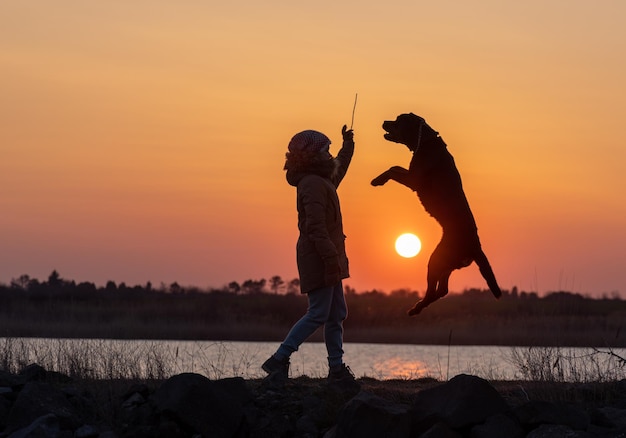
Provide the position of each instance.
(144, 141)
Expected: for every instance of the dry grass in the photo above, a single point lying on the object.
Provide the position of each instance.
(554, 373)
(88, 358)
(557, 364)
(98, 359)
(547, 373)
(106, 359)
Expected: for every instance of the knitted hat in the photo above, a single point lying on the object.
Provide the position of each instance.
(309, 141)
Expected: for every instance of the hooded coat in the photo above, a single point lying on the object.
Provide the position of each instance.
(320, 250)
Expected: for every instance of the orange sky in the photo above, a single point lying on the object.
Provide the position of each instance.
(144, 141)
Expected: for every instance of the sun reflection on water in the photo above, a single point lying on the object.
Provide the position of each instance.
(399, 368)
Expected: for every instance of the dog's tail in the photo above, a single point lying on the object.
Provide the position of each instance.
(487, 273)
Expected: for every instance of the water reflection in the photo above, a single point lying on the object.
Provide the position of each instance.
(399, 368)
(220, 359)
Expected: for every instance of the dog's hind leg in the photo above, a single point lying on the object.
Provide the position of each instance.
(437, 280)
(487, 273)
(429, 296)
(442, 286)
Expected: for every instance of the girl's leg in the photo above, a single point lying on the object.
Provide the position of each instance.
(333, 328)
(320, 304)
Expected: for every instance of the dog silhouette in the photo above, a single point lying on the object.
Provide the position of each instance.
(433, 175)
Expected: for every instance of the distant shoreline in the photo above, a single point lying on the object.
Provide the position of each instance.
(436, 334)
(62, 309)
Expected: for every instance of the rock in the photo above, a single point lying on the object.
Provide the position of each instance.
(462, 402)
(133, 400)
(498, 426)
(612, 417)
(138, 388)
(137, 420)
(39, 399)
(86, 431)
(556, 431)
(5, 408)
(441, 430)
(367, 415)
(38, 404)
(535, 413)
(10, 380)
(211, 408)
(33, 372)
(305, 425)
(46, 426)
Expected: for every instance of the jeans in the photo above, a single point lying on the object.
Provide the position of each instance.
(327, 307)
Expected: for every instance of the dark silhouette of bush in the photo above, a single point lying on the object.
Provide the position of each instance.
(61, 308)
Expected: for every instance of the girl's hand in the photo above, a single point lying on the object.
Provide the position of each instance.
(347, 134)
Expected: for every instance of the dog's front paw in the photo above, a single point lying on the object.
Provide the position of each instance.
(380, 179)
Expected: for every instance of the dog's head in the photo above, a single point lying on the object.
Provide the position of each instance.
(408, 129)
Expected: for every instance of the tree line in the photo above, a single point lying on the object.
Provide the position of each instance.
(55, 282)
(275, 285)
(263, 310)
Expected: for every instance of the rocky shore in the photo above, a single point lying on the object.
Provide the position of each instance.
(36, 403)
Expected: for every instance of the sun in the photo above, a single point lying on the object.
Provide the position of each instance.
(408, 245)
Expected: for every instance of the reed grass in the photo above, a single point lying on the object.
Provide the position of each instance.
(557, 364)
(565, 374)
(98, 359)
(88, 358)
(110, 359)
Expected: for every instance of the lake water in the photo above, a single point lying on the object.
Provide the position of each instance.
(380, 361)
(385, 361)
(221, 359)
